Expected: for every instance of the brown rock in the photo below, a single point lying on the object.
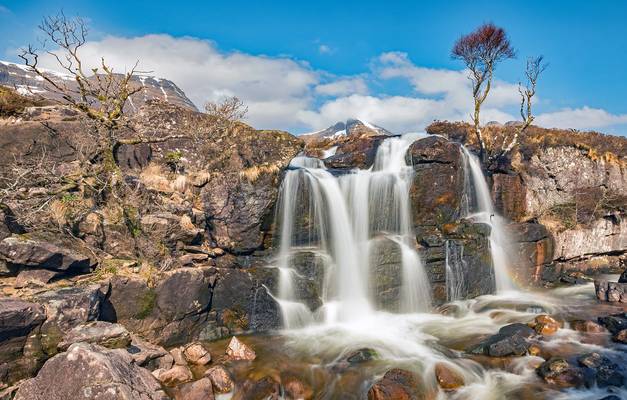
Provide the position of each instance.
(447, 378)
(196, 354)
(34, 277)
(621, 336)
(177, 355)
(221, 379)
(534, 350)
(173, 376)
(263, 389)
(396, 384)
(238, 350)
(295, 389)
(198, 390)
(588, 327)
(557, 371)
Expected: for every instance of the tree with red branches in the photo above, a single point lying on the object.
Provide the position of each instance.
(481, 50)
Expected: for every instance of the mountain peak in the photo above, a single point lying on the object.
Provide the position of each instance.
(351, 127)
(26, 82)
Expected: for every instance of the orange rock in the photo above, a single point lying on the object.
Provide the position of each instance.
(447, 378)
(534, 350)
(545, 325)
(220, 378)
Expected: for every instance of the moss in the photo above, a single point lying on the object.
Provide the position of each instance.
(147, 303)
(131, 219)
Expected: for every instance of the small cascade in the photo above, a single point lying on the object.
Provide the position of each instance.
(482, 210)
(454, 268)
(338, 218)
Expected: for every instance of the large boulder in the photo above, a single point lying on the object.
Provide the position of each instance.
(19, 319)
(173, 311)
(438, 190)
(106, 334)
(25, 252)
(67, 308)
(91, 371)
(357, 152)
(511, 340)
(396, 384)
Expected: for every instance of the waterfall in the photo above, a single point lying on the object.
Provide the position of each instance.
(338, 217)
(484, 212)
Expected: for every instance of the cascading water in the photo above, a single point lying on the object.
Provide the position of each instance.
(338, 218)
(484, 212)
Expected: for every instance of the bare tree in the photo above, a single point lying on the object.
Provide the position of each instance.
(535, 66)
(227, 112)
(98, 93)
(481, 50)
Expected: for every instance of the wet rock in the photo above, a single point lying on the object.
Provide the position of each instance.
(195, 353)
(396, 384)
(387, 265)
(174, 376)
(198, 390)
(106, 334)
(263, 389)
(545, 325)
(19, 319)
(238, 350)
(447, 378)
(620, 336)
(358, 152)
(623, 277)
(587, 327)
(242, 302)
(296, 389)
(606, 373)
(91, 371)
(221, 379)
(38, 254)
(557, 371)
(511, 340)
(362, 355)
(614, 292)
(437, 193)
(517, 329)
(614, 323)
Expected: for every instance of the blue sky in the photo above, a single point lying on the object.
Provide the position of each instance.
(325, 42)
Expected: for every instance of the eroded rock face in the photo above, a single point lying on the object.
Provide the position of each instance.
(18, 320)
(91, 371)
(155, 312)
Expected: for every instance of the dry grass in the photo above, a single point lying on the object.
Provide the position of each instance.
(253, 173)
(156, 178)
(594, 145)
(186, 223)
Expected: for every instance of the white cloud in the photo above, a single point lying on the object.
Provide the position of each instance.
(343, 87)
(580, 118)
(274, 88)
(324, 49)
(288, 94)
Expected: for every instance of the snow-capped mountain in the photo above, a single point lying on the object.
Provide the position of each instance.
(26, 82)
(352, 127)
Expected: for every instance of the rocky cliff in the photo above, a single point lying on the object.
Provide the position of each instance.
(566, 193)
